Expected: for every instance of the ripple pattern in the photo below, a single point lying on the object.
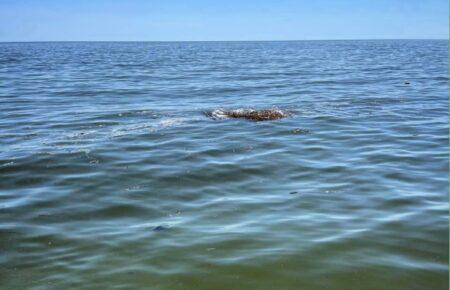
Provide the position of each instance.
(112, 177)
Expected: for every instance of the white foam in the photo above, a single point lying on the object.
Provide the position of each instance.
(169, 122)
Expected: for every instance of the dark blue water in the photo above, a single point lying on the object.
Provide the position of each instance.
(113, 177)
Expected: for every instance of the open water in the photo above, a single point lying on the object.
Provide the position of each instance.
(113, 175)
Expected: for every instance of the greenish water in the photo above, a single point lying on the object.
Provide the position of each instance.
(113, 177)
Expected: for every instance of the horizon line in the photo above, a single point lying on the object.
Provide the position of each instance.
(260, 40)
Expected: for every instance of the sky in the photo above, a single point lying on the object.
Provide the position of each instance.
(211, 20)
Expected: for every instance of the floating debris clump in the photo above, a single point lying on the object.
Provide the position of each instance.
(249, 114)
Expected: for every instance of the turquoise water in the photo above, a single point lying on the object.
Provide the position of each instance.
(113, 177)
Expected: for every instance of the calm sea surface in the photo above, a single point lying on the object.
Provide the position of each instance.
(113, 177)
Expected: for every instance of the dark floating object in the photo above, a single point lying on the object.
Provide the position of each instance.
(159, 228)
(252, 115)
(407, 83)
(293, 192)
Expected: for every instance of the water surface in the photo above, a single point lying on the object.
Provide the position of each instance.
(113, 177)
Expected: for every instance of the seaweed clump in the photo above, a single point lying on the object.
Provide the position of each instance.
(253, 115)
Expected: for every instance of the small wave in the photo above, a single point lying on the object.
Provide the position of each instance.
(249, 114)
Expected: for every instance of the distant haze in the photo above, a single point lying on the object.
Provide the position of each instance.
(178, 20)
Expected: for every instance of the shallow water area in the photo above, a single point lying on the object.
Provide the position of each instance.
(113, 177)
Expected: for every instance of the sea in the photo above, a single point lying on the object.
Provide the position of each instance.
(115, 174)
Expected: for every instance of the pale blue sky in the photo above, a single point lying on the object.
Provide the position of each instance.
(151, 20)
